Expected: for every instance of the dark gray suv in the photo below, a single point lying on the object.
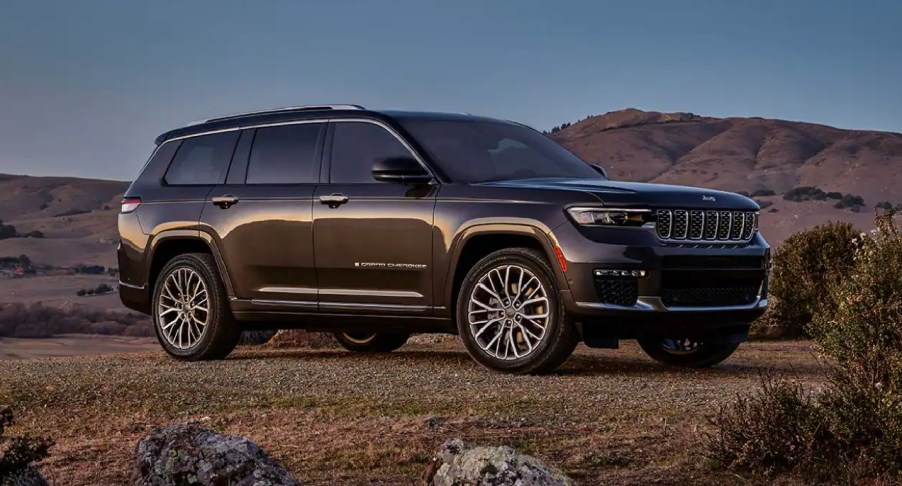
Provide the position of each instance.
(378, 224)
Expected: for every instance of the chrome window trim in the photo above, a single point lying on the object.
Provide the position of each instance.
(380, 123)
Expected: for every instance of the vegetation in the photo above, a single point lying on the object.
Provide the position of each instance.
(850, 201)
(7, 231)
(764, 204)
(805, 265)
(560, 127)
(17, 454)
(805, 193)
(852, 430)
(33, 234)
(37, 321)
(101, 289)
(762, 192)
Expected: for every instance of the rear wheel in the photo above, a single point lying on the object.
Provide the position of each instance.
(191, 314)
(687, 352)
(371, 342)
(509, 314)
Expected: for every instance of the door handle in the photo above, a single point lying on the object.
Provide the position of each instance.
(334, 200)
(225, 202)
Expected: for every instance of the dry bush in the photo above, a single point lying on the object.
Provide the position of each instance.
(37, 321)
(804, 266)
(852, 430)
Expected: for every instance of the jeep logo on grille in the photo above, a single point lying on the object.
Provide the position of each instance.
(709, 198)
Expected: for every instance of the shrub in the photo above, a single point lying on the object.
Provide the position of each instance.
(81, 292)
(7, 231)
(36, 321)
(762, 192)
(804, 265)
(885, 205)
(805, 193)
(33, 234)
(851, 432)
(103, 289)
(767, 432)
(17, 454)
(834, 195)
(849, 201)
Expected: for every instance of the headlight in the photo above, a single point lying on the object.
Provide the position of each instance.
(610, 216)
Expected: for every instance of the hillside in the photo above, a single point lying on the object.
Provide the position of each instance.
(747, 154)
(76, 216)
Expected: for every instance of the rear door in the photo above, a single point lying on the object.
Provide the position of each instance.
(373, 240)
(261, 218)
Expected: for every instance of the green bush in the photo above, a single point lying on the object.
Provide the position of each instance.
(849, 201)
(834, 195)
(804, 265)
(851, 431)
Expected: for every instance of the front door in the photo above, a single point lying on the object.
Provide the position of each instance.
(372, 240)
(262, 217)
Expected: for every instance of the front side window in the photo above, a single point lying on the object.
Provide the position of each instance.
(202, 160)
(482, 151)
(356, 146)
(284, 154)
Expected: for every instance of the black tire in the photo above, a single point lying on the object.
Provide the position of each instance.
(560, 336)
(221, 333)
(703, 354)
(371, 342)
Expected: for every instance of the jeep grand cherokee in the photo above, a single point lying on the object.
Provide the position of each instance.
(377, 224)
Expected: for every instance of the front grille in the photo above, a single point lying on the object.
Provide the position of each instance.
(712, 262)
(709, 225)
(617, 290)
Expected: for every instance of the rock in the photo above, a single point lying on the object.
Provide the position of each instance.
(187, 454)
(28, 476)
(457, 463)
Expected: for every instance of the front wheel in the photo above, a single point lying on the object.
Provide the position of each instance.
(371, 342)
(686, 352)
(510, 315)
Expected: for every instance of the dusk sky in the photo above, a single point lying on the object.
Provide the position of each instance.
(86, 86)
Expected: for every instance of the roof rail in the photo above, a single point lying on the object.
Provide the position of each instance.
(287, 109)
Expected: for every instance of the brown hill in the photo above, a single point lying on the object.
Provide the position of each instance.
(76, 216)
(748, 155)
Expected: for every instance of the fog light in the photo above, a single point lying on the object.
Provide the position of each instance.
(619, 273)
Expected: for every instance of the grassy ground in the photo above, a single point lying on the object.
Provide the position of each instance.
(609, 416)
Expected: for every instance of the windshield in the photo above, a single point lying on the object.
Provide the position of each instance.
(481, 151)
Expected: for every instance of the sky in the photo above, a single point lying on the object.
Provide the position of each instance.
(86, 86)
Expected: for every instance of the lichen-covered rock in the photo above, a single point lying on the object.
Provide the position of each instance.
(28, 476)
(187, 454)
(457, 463)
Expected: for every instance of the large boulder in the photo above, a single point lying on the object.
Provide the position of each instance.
(187, 454)
(457, 463)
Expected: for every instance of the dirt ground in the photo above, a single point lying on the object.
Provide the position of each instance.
(59, 291)
(332, 417)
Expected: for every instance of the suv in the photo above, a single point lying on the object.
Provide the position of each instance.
(377, 224)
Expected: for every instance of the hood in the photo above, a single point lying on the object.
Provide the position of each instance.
(638, 194)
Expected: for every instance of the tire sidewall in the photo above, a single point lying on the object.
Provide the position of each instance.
(537, 265)
(215, 308)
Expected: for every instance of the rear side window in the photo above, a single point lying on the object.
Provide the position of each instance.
(284, 154)
(356, 146)
(202, 160)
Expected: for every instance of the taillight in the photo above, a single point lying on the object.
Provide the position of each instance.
(130, 204)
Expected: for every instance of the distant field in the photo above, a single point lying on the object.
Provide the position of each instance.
(332, 417)
(59, 291)
(73, 345)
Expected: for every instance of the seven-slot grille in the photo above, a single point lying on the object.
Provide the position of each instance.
(701, 225)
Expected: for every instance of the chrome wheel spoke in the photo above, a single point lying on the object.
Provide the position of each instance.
(508, 312)
(182, 308)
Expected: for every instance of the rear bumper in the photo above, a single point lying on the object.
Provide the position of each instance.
(134, 297)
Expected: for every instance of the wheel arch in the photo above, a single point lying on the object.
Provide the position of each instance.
(169, 244)
(479, 241)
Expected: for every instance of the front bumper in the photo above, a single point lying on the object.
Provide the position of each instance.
(683, 290)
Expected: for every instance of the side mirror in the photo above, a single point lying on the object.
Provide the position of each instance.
(400, 169)
(600, 170)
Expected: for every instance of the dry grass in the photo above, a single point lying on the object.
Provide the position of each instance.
(333, 417)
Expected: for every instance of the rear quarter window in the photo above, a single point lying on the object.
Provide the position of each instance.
(202, 160)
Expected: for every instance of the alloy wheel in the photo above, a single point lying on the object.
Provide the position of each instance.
(508, 312)
(183, 308)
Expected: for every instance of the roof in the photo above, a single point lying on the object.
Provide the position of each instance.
(281, 115)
